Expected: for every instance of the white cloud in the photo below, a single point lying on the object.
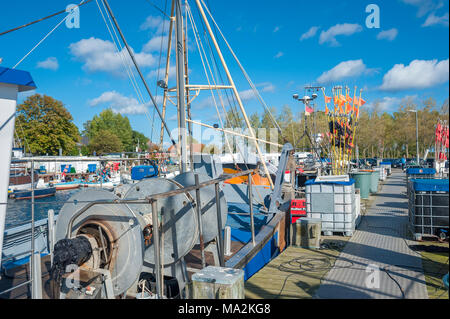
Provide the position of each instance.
(389, 103)
(155, 24)
(419, 74)
(432, 19)
(51, 64)
(266, 87)
(154, 44)
(310, 33)
(424, 6)
(173, 118)
(388, 34)
(101, 55)
(338, 29)
(278, 55)
(247, 95)
(120, 103)
(162, 72)
(346, 69)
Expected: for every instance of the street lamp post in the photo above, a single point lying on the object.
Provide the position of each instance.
(417, 136)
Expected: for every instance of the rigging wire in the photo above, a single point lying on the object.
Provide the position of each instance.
(45, 37)
(159, 66)
(202, 51)
(125, 63)
(258, 96)
(233, 106)
(157, 8)
(222, 104)
(42, 19)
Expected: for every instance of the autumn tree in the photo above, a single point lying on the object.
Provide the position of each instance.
(44, 125)
(105, 141)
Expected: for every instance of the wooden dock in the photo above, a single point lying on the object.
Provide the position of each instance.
(333, 274)
(296, 273)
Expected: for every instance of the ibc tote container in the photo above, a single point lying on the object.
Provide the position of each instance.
(428, 207)
(418, 173)
(334, 203)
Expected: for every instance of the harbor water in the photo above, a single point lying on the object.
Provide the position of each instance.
(18, 212)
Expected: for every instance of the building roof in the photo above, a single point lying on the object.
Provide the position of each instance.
(18, 77)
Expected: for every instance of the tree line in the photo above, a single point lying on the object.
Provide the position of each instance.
(44, 126)
(379, 133)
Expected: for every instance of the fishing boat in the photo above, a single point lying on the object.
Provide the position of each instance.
(122, 235)
(20, 180)
(38, 193)
(67, 185)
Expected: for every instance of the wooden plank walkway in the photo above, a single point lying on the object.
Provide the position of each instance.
(331, 274)
(379, 250)
(295, 273)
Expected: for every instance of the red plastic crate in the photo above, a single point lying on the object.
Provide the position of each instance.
(298, 209)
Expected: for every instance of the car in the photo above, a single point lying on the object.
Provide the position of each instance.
(397, 163)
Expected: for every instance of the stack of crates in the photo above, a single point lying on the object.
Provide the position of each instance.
(428, 207)
(334, 203)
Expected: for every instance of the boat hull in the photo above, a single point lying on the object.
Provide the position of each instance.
(66, 186)
(38, 193)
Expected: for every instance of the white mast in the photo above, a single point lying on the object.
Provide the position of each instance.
(236, 93)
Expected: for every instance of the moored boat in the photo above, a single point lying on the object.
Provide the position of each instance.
(67, 185)
(38, 193)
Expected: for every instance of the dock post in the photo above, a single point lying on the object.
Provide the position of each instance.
(250, 198)
(155, 221)
(36, 276)
(51, 232)
(227, 241)
(35, 280)
(219, 227)
(200, 225)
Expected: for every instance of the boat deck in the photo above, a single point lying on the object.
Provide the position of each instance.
(380, 241)
(237, 219)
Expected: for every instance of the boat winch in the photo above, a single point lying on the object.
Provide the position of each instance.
(117, 234)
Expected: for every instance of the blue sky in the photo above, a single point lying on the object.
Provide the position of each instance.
(283, 46)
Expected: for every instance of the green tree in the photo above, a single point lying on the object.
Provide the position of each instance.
(105, 141)
(44, 126)
(139, 139)
(114, 122)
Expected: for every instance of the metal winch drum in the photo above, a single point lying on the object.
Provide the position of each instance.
(117, 231)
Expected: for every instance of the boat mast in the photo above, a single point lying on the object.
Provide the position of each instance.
(188, 101)
(181, 89)
(236, 93)
(130, 52)
(166, 78)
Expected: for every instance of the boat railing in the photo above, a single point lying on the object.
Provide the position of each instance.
(152, 200)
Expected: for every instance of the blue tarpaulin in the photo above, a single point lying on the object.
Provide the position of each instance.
(430, 185)
(420, 171)
(143, 171)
